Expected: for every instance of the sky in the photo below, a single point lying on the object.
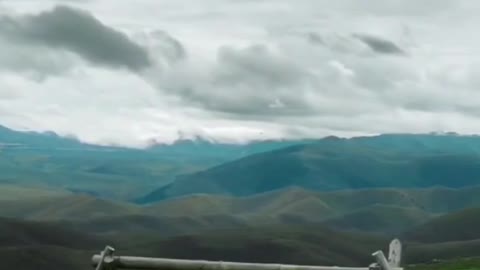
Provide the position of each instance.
(134, 73)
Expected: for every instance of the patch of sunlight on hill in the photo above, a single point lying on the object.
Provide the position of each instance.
(13, 192)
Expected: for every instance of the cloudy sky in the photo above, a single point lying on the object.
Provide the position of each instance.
(132, 72)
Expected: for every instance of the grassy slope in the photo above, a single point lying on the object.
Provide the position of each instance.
(294, 244)
(46, 245)
(383, 210)
(32, 245)
(45, 257)
(71, 207)
(27, 233)
(15, 192)
(273, 244)
(435, 200)
(26, 245)
(380, 218)
(459, 264)
(458, 226)
(446, 251)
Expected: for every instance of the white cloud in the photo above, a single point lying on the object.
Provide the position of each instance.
(244, 70)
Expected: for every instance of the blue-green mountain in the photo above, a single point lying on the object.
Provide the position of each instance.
(48, 160)
(396, 161)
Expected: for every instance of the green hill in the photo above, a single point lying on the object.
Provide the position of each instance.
(15, 192)
(27, 233)
(72, 207)
(459, 226)
(379, 218)
(151, 226)
(319, 206)
(458, 264)
(45, 257)
(427, 253)
(313, 245)
(381, 210)
(27, 245)
(30, 245)
(272, 244)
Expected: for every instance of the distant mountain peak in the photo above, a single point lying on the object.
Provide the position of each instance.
(332, 138)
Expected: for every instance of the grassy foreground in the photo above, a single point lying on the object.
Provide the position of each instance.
(461, 264)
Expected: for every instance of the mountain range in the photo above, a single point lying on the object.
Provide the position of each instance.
(330, 201)
(51, 161)
(396, 161)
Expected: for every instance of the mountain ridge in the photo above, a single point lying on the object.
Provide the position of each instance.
(398, 161)
(52, 161)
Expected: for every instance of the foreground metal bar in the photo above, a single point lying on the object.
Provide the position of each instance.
(126, 262)
(106, 260)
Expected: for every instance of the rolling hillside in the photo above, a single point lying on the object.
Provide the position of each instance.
(27, 233)
(457, 264)
(459, 226)
(398, 161)
(379, 218)
(299, 245)
(147, 226)
(273, 244)
(320, 204)
(428, 253)
(49, 247)
(12, 192)
(26, 245)
(45, 246)
(379, 210)
(72, 207)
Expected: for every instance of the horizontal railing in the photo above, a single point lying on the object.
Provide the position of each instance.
(107, 261)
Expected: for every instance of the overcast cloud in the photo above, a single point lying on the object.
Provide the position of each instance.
(133, 72)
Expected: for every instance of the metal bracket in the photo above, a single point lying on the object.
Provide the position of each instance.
(394, 257)
(106, 260)
(381, 260)
(395, 253)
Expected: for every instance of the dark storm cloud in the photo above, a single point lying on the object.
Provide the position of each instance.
(77, 31)
(380, 45)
